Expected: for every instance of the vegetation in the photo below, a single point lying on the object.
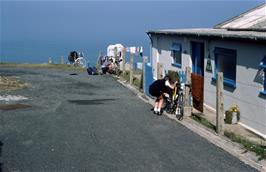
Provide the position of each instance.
(203, 121)
(136, 81)
(11, 83)
(49, 66)
(248, 145)
(229, 114)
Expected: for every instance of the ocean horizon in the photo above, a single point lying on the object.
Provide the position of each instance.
(31, 51)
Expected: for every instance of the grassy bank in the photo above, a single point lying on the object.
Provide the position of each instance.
(136, 80)
(11, 83)
(260, 150)
(49, 66)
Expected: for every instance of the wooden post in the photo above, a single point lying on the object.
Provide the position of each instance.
(124, 60)
(62, 60)
(159, 70)
(98, 65)
(144, 61)
(187, 106)
(115, 53)
(219, 104)
(131, 69)
(50, 60)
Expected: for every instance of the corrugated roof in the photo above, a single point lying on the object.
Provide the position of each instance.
(220, 33)
(254, 19)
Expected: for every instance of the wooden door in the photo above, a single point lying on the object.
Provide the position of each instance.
(197, 76)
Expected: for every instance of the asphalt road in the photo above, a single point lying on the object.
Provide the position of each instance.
(92, 123)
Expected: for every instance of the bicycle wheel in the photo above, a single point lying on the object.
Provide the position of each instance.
(180, 107)
(81, 62)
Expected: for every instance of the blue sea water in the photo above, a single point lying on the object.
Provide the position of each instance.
(30, 51)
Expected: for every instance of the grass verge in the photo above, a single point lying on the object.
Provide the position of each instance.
(126, 76)
(49, 66)
(248, 145)
(11, 83)
(203, 121)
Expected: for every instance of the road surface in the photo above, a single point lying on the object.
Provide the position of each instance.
(93, 123)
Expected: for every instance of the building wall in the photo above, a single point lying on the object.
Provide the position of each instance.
(161, 53)
(248, 81)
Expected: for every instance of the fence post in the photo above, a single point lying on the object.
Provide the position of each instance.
(131, 69)
(143, 78)
(124, 60)
(98, 65)
(187, 106)
(159, 70)
(50, 60)
(115, 53)
(219, 104)
(62, 60)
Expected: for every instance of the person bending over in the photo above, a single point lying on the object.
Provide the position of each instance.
(159, 89)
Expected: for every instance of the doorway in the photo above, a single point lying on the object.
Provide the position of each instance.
(197, 76)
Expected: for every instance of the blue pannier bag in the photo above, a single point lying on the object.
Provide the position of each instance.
(92, 70)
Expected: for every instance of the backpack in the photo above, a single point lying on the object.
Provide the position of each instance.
(92, 70)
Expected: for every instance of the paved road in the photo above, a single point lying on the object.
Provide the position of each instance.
(81, 123)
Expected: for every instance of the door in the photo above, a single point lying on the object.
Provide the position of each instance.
(197, 76)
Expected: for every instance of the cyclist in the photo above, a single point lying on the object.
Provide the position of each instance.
(161, 88)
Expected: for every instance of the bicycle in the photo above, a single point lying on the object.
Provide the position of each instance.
(80, 62)
(174, 104)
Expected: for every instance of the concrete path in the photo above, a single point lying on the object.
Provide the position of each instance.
(93, 123)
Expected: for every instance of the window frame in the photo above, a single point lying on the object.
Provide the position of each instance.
(263, 66)
(176, 49)
(231, 53)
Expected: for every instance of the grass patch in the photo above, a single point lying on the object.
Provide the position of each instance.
(248, 145)
(49, 66)
(126, 76)
(11, 83)
(203, 121)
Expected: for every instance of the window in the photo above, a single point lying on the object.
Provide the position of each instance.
(263, 65)
(176, 54)
(225, 61)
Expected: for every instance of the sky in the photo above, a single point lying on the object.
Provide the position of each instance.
(107, 22)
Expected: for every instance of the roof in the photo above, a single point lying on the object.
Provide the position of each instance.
(254, 19)
(219, 33)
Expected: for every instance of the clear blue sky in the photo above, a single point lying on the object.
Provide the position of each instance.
(104, 22)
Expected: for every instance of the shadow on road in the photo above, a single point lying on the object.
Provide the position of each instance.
(90, 102)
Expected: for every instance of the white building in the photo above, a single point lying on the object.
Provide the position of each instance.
(236, 47)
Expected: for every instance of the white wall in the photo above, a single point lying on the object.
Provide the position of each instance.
(246, 95)
(161, 47)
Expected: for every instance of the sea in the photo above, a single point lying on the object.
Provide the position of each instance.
(36, 51)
